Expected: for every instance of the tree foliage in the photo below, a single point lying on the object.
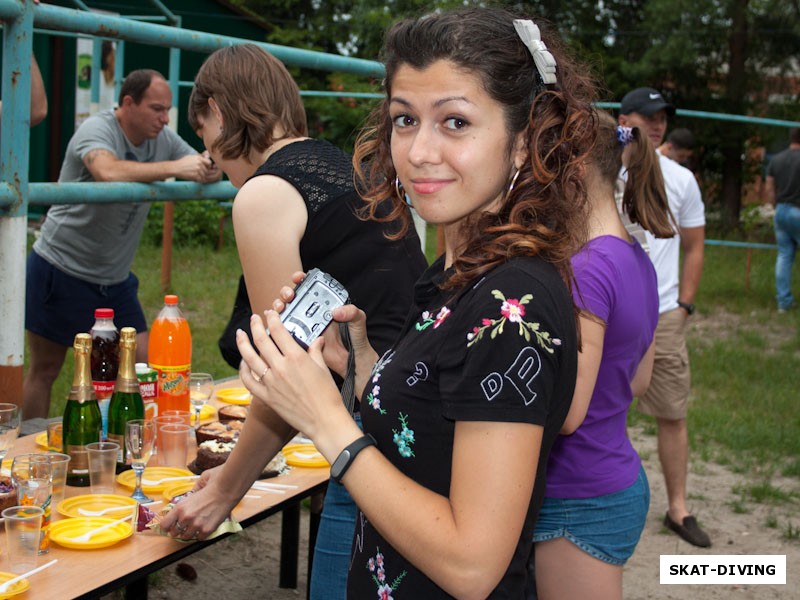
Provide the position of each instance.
(724, 56)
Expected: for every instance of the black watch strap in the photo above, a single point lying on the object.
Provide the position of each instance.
(689, 308)
(348, 455)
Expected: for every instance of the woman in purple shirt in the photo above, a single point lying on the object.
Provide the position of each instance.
(597, 493)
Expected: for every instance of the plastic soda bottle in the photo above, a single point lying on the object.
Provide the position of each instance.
(105, 360)
(82, 423)
(126, 403)
(169, 352)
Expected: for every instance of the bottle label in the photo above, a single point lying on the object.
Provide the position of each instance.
(173, 381)
(120, 439)
(103, 389)
(79, 459)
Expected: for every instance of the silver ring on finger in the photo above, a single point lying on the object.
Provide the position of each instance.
(181, 527)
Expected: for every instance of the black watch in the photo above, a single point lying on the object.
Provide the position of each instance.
(348, 455)
(689, 308)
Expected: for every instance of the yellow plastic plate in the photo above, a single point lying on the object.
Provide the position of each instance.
(41, 440)
(69, 506)
(61, 531)
(128, 478)
(176, 488)
(238, 395)
(21, 586)
(207, 412)
(303, 455)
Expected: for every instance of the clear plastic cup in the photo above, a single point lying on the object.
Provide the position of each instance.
(173, 440)
(23, 532)
(102, 466)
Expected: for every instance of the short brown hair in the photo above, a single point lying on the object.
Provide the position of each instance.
(254, 92)
(136, 83)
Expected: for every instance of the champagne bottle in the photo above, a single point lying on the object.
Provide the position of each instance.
(82, 420)
(126, 402)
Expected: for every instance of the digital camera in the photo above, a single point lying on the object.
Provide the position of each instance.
(309, 313)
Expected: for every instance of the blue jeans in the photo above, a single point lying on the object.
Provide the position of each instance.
(787, 235)
(334, 543)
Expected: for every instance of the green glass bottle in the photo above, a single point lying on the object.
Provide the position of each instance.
(126, 401)
(82, 421)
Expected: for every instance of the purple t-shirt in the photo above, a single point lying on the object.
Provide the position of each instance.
(616, 282)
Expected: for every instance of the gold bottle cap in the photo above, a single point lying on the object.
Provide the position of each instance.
(127, 335)
(83, 342)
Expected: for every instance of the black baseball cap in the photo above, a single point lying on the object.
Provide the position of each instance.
(645, 101)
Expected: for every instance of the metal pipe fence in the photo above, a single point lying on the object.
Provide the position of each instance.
(16, 193)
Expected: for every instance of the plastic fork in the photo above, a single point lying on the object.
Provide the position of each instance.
(85, 537)
(165, 479)
(97, 513)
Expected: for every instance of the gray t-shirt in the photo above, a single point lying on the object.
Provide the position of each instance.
(785, 169)
(97, 242)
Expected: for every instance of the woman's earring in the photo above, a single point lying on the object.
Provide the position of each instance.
(401, 193)
(513, 182)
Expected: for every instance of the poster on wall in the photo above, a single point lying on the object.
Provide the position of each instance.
(83, 88)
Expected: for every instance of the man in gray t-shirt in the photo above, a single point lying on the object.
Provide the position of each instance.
(83, 256)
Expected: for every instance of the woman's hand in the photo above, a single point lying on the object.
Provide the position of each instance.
(292, 381)
(199, 514)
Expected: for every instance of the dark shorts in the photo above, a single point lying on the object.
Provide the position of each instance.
(57, 305)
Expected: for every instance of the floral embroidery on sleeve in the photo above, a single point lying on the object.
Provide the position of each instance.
(372, 397)
(512, 311)
(378, 570)
(428, 319)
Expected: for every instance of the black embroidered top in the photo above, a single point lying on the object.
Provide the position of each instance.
(503, 349)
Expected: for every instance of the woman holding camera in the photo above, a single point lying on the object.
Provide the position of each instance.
(485, 127)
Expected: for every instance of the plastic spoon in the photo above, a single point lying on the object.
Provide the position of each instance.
(88, 535)
(4, 587)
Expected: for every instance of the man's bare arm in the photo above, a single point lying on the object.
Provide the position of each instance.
(105, 166)
(769, 189)
(38, 94)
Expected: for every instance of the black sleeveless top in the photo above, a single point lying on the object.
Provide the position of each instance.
(379, 274)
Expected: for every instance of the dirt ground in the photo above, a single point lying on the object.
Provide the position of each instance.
(246, 566)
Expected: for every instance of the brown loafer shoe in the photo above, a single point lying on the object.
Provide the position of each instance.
(689, 530)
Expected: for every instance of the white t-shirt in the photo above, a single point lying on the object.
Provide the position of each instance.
(686, 204)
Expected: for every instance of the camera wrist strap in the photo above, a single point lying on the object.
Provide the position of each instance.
(348, 389)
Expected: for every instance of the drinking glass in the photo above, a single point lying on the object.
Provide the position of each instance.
(140, 436)
(201, 386)
(9, 427)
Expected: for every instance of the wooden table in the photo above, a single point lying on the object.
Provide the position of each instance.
(93, 573)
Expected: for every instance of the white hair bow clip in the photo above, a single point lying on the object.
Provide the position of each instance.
(528, 32)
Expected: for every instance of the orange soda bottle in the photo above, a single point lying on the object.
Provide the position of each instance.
(169, 352)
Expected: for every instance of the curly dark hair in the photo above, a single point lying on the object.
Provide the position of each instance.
(545, 213)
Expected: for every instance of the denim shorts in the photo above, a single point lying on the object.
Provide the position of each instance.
(606, 527)
(58, 305)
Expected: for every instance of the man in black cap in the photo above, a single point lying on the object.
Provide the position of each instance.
(667, 398)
